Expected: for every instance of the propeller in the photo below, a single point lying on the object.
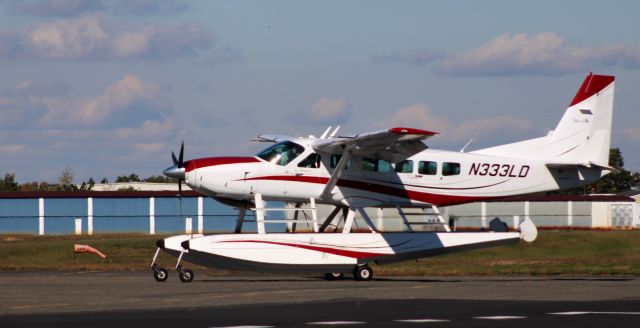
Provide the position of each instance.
(177, 170)
(180, 160)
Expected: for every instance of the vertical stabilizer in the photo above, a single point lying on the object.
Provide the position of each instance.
(583, 135)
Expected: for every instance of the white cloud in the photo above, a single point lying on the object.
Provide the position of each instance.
(540, 54)
(69, 39)
(119, 102)
(420, 116)
(125, 103)
(632, 133)
(521, 54)
(91, 37)
(329, 111)
(130, 44)
(11, 150)
(148, 131)
(153, 147)
(125, 128)
(69, 8)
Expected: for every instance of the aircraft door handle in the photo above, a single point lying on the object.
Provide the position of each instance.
(299, 174)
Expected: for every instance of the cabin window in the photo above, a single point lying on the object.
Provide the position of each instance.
(335, 159)
(375, 165)
(404, 167)
(450, 168)
(427, 167)
(312, 161)
(281, 153)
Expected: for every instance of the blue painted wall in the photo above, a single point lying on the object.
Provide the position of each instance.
(19, 215)
(124, 215)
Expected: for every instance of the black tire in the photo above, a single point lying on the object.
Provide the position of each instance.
(161, 274)
(333, 276)
(186, 275)
(363, 273)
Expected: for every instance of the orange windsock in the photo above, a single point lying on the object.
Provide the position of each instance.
(87, 249)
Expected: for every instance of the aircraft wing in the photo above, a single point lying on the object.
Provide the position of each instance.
(392, 145)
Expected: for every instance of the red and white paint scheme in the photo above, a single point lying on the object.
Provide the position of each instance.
(388, 168)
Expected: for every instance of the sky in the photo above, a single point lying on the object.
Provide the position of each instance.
(110, 88)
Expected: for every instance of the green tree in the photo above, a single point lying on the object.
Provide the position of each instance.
(612, 183)
(8, 183)
(130, 178)
(158, 179)
(617, 180)
(65, 180)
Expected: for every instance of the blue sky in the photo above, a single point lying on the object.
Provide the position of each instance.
(108, 88)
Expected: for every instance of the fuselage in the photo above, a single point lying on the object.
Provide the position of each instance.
(296, 172)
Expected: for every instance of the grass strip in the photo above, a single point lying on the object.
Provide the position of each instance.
(553, 253)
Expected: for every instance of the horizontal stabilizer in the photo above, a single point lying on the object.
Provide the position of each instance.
(589, 165)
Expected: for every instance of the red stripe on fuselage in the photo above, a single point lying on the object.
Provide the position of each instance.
(199, 163)
(436, 199)
(341, 252)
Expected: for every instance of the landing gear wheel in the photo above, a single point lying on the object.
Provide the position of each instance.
(186, 275)
(333, 276)
(362, 273)
(160, 274)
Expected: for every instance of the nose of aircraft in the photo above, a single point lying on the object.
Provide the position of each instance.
(175, 172)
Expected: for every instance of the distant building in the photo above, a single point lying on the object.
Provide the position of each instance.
(579, 211)
(140, 186)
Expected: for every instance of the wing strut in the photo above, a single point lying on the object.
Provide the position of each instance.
(337, 173)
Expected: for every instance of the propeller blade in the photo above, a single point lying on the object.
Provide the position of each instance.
(181, 156)
(180, 188)
(173, 157)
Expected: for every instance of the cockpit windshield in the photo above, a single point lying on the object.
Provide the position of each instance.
(281, 153)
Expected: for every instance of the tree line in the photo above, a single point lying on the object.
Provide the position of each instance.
(65, 182)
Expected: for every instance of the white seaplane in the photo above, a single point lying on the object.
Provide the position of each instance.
(390, 168)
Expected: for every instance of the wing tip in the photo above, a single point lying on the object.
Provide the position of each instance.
(401, 130)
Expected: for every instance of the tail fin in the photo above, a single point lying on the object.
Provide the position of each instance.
(582, 136)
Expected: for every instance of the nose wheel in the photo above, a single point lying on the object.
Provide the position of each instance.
(160, 274)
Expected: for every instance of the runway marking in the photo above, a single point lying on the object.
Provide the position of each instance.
(501, 317)
(328, 323)
(421, 320)
(593, 312)
(38, 306)
(245, 327)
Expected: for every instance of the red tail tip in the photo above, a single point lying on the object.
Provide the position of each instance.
(592, 85)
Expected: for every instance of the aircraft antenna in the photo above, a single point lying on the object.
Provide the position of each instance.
(335, 131)
(326, 132)
(465, 146)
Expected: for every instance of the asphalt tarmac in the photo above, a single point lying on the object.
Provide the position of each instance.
(55, 299)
